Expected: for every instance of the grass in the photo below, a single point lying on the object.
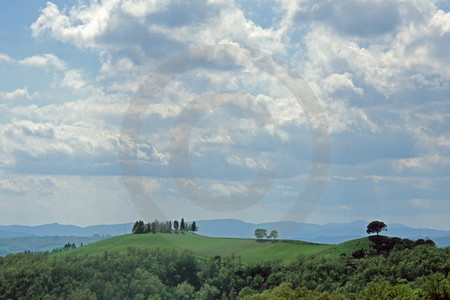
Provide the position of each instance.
(249, 250)
(347, 247)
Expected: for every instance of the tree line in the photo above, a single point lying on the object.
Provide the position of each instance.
(163, 227)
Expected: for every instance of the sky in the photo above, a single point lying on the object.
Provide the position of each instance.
(311, 111)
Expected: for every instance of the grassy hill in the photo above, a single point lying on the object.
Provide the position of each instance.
(248, 249)
(347, 247)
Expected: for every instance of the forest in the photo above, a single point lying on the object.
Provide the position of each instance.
(419, 272)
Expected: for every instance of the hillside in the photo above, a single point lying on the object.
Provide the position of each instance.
(347, 247)
(161, 267)
(249, 250)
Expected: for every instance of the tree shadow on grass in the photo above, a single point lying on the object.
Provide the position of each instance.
(267, 241)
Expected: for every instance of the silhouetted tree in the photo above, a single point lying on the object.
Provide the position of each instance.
(182, 225)
(138, 227)
(194, 226)
(376, 227)
(176, 225)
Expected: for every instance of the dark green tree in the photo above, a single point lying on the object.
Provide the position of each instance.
(156, 226)
(138, 227)
(273, 234)
(194, 226)
(176, 225)
(260, 233)
(376, 227)
(182, 225)
(135, 227)
(184, 291)
(147, 228)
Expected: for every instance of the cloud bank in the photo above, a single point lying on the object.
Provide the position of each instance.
(378, 68)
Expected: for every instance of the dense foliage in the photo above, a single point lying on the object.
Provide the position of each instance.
(418, 273)
(384, 245)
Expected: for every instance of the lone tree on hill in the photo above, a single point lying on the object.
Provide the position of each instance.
(376, 227)
(273, 234)
(260, 233)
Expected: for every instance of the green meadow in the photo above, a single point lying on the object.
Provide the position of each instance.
(249, 250)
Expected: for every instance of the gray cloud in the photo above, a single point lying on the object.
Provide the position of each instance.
(354, 17)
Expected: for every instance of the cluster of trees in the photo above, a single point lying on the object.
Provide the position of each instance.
(261, 233)
(418, 273)
(66, 246)
(384, 245)
(163, 227)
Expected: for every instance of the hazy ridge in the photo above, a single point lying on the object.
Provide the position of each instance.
(17, 238)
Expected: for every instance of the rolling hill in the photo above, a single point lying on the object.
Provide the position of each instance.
(16, 238)
(55, 229)
(42, 243)
(249, 250)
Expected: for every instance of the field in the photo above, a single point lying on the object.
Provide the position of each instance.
(249, 250)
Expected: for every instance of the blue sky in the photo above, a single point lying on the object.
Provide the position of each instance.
(117, 110)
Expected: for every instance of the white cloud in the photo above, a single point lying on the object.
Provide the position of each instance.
(46, 61)
(344, 207)
(388, 64)
(17, 94)
(73, 79)
(5, 58)
(131, 37)
(249, 162)
(30, 144)
(27, 185)
(54, 21)
(141, 8)
(341, 82)
(410, 163)
(430, 163)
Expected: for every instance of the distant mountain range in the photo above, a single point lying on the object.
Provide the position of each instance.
(332, 233)
(55, 229)
(18, 238)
